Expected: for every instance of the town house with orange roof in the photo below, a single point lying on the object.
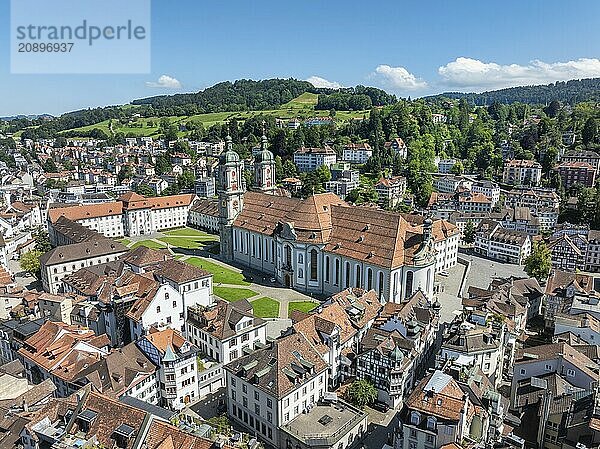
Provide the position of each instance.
(223, 331)
(61, 352)
(130, 215)
(177, 366)
(336, 328)
(394, 352)
(438, 412)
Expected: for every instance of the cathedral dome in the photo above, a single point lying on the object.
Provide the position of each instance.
(264, 155)
(229, 156)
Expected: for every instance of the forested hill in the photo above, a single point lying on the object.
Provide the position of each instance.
(249, 95)
(570, 92)
(241, 95)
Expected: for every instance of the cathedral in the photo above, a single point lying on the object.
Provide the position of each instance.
(322, 245)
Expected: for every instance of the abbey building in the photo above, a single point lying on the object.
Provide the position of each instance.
(321, 244)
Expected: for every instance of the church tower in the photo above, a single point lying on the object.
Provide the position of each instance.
(230, 189)
(264, 168)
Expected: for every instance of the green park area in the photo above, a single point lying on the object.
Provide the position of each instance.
(233, 294)
(221, 274)
(266, 307)
(303, 306)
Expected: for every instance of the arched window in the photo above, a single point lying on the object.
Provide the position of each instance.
(272, 250)
(157, 309)
(409, 284)
(347, 268)
(300, 258)
(313, 264)
(327, 269)
(380, 285)
(300, 273)
(337, 272)
(288, 256)
(369, 278)
(395, 283)
(357, 278)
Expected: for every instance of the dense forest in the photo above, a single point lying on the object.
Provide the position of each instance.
(569, 92)
(241, 95)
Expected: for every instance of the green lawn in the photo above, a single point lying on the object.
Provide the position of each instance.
(190, 232)
(184, 242)
(124, 241)
(232, 294)
(303, 306)
(148, 243)
(266, 307)
(221, 275)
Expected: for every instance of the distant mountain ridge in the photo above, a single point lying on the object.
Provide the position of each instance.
(570, 92)
(29, 117)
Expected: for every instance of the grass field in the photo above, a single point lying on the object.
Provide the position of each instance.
(302, 107)
(303, 306)
(232, 294)
(190, 232)
(186, 242)
(148, 243)
(124, 241)
(221, 275)
(266, 307)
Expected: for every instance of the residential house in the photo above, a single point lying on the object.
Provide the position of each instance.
(395, 351)
(223, 332)
(390, 191)
(522, 172)
(270, 387)
(175, 358)
(495, 242)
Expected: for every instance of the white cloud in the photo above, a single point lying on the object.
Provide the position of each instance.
(473, 74)
(397, 78)
(165, 82)
(319, 82)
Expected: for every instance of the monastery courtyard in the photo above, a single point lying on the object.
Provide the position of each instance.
(229, 283)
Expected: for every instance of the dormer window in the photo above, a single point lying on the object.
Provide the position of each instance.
(415, 418)
(431, 422)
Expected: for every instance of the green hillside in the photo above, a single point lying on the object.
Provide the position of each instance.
(301, 107)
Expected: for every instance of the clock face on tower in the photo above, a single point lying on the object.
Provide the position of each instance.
(268, 171)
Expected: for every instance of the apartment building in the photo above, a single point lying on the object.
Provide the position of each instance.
(357, 153)
(495, 242)
(175, 358)
(390, 191)
(522, 172)
(309, 159)
(223, 332)
(271, 387)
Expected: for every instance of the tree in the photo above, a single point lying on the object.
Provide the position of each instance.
(30, 262)
(552, 109)
(145, 190)
(289, 169)
(590, 131)
(539, 263)
(362, 392)
(50, 166)
(279, 173)
(42, 241)
(469, 233)
(220, 423)
(458, 168)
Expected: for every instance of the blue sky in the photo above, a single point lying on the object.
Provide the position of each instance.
(406, 47)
